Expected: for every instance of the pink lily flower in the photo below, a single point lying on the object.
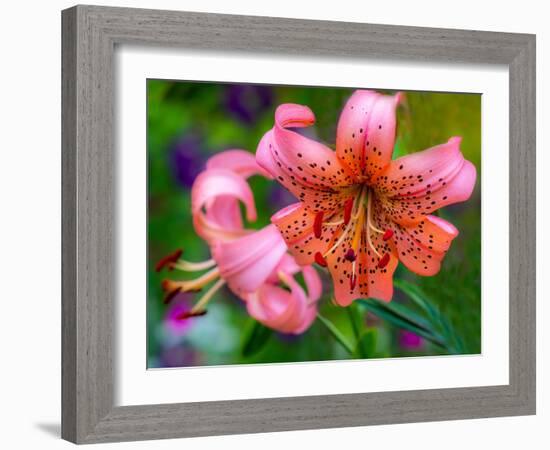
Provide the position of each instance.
(359, 211)
(253, 264)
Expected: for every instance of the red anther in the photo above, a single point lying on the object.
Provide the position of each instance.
(384, 261)
(318, 224)
(188, 314)
(168, 297)
(168, 260)
(320, 259)
(352, 281)
(348, 206)
(387, 235)
(350, 255)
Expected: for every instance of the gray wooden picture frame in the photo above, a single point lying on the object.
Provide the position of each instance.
(90, 34)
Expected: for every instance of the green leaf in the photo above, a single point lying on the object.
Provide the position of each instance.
(438, 320)
(336, 333)
(366, 344)
(402, 317)
(255, 338)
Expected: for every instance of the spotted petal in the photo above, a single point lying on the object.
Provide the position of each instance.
(422, 247)
(296, 222)
(418, 184)
(308, 169)
(366, 132)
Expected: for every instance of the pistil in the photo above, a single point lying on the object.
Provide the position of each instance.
(350, 255)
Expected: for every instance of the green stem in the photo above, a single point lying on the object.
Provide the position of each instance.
(355, 319)
(336, 333)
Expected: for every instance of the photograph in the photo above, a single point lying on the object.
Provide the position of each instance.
(289, 224)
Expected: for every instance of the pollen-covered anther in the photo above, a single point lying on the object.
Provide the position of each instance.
(320, 259)
(168, 285)
(318, 224)
(169, 260)
(387, 235)
(188, 314)
(171, 294)
(348, 207)
(384, 261)
(350, 255)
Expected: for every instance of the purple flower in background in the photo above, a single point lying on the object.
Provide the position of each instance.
(246, 101)
(410, 341)
(186, 159)
(173, 324)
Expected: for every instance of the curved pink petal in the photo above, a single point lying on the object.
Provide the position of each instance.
(247, 262)
(422, 247)
(225, 212)
(313, 283)
(418, 184)
(218, 191)
(287, 312)
(238, 161)
(308, 169)
(275, 308)
(287, 265)
(366, 132)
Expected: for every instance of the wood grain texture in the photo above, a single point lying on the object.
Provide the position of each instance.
(88, 305)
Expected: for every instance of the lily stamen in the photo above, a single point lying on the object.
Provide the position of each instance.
(168, 260)
(387, 235)
(188, 314)
(357, 215)
(334, 224)
(348, 207)
(352, 279)
(188, 266)
(320, 259)
(377, 230)
(369, 226)
(203, 301)
(384, 261)
(168, 297)
(318, 224)
(197, 283)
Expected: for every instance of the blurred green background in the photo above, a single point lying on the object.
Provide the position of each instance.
(189, 121)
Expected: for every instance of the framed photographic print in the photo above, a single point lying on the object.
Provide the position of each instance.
(265, 229)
